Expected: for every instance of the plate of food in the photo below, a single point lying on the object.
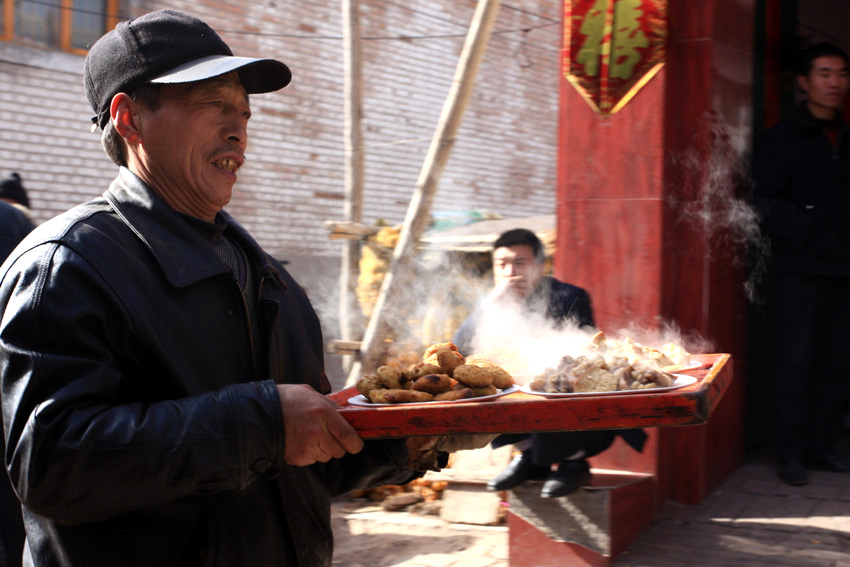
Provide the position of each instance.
(680, 381)
(361, 400)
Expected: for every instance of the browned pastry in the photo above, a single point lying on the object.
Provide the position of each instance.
(473, 376)
(444, 355)
(420, 369)
(368, 383)
(394, 396)
(433, 383)
(484, 391)
(453, 395)
(501, 379)
(390, 377)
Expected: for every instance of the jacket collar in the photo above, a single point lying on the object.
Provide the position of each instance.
(181, 252)
(804, 122)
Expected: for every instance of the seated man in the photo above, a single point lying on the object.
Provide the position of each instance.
(518, 276)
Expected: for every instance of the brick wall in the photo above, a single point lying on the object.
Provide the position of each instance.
(503, 159)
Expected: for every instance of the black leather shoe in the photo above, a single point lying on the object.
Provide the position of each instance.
(793, 472)
(831, 463)
(567, 479)
(520, 470)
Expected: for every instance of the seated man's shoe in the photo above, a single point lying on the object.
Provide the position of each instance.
(520, 470)
(831, 463)
(793, 472)
(569, 477)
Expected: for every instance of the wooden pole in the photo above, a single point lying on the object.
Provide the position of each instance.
(415, 222)
(350, 322)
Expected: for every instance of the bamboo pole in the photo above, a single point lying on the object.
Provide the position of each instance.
(350, 322)
(405, 253)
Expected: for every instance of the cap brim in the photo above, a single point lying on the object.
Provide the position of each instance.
(257, 75)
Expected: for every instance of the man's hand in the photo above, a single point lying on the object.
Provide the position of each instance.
(511, 288)
(469, 442)
(424, 452)
(314, 430)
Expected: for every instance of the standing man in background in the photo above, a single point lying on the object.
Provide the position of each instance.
(801, 172)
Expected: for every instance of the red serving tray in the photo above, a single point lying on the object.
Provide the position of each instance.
(519, 412)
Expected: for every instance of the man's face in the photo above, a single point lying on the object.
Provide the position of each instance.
(193, 144)
(516, 268)
(826, 85)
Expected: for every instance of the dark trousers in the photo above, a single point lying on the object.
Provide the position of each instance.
(549, 448)
(811, 373)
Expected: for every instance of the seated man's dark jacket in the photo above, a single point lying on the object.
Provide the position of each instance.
(139, 429)
(563, 303)
(802, 191)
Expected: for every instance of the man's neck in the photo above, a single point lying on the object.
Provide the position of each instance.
(821, 112)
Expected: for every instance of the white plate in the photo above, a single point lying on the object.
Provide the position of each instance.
(681, 382)
(360, 400)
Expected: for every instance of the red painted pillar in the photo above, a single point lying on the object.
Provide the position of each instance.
(644, 199)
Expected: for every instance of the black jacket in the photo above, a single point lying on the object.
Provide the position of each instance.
(559, 301)
(139, 429)
(802, 192)
(14, 225)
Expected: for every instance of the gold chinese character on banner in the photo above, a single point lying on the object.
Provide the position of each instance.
(612, 48)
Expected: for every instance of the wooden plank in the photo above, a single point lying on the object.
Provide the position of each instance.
(349, 229)
(350, 318)
(519, 412)
(344, 347)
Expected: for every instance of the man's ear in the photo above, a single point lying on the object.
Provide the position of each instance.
(125, 117)
(803, 83)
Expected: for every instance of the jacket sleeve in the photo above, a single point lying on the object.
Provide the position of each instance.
(783, 217)
(84, 441)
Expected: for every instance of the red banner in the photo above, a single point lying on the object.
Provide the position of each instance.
(612, 48)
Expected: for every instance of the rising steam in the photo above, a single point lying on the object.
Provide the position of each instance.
(720, 206)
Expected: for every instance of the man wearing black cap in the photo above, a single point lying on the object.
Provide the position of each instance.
(162, 376)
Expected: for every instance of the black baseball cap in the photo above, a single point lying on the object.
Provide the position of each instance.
(168, 46)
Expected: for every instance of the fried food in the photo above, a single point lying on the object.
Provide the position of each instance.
(432, 350)
(395, 396)
(444, 355)
(433, 383)
(484, 391)
(612, 365)
(680, 357)
(390, 377)
(501, 379)
(368, 383)
(596, 380)
(473, 376)
(420, 369)
(453, 395)
(443, 374)
(649, 377)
